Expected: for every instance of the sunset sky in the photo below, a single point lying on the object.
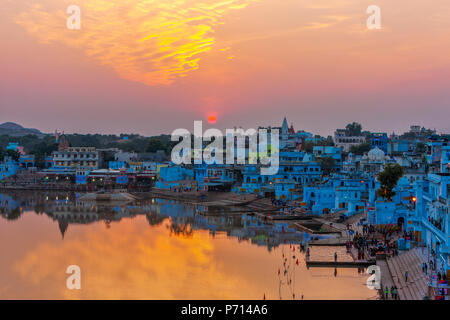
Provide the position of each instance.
(151, 66)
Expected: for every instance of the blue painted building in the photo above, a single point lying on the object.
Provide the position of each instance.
(285, 190)
(349, 194)
(389, 213)
(380, 140)
(445, 160)
(8, 168)
(431, 221)
(331, 152)
(27, 161)
(176, 177)
(117, 165)
(319, 198)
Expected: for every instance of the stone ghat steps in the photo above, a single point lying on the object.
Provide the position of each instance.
(411, 261)
(387, 280)
(396, 277)
(407, 265)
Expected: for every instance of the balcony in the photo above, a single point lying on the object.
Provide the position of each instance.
(441, 235)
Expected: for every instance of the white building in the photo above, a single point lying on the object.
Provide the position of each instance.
(345, 142)
(373, 161)
(76, 158)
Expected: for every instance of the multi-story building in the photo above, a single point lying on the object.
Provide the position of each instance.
(347, 193)
(27, 161)
(8, 168)
(445, 161)
(345, 142)
(74, 158)
(374, 161)
(431, 221)
(285, 190)
(331, 152)
(379, 140)
(435, 147)
(176, 177)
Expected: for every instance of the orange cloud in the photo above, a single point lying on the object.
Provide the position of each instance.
(148, 41)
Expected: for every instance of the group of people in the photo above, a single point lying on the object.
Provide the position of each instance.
(393, 292)
(368, 243)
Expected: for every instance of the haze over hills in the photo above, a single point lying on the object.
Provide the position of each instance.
(16, 130)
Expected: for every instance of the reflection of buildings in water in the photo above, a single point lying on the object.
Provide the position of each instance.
(244, 227)
(182, 216)
(9, 208)
(86, 213)
(37, 201)
(66, 209)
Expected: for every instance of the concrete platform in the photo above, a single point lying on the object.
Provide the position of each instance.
(339, 264)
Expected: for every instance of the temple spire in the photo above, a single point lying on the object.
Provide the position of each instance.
(63, 225)
(284, 127)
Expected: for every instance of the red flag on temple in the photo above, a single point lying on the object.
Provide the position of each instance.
(264, 296)
(296, 262)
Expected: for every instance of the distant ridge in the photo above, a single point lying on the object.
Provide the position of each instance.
(16, 130)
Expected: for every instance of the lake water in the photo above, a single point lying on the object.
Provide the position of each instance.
(156, 249)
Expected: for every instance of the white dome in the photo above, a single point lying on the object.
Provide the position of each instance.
(376, 154)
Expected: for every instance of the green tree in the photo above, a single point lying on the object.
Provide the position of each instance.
(420, 148)
(327, 164)
(154, 145)
(388, 179)
(360, 149)
(354, 129)
(308, 146)
(13, 154)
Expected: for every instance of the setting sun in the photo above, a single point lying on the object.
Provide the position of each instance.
(212, 119)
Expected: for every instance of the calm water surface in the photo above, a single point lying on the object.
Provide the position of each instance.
(156, 249)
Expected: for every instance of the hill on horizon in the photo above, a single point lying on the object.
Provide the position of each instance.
(16, 130)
